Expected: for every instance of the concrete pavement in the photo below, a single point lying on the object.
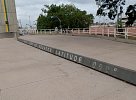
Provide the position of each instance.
(112, 52)
(27, 73)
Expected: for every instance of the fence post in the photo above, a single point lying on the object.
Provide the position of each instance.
(72, 31)
(44, 31)
(83, 30)
(95, 31)
(78, 31)
(103, 29)
(66, 31)
(114, 32)
(108, 32)
(126, 33)
(40, 31)
(89, 30)
(36, 31)
(50, 31)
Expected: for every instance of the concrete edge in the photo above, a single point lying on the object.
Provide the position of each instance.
(128, 41)
(7, 35)
(115, 71)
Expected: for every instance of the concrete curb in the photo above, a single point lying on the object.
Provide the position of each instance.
(118, 72)
(7, 35)
(128, 41)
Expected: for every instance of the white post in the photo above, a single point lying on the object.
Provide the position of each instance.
(126, 33)
(50, 31)
(66, 31)
(44, 31)
(114, 32)
(89, 30)
(36, 31)
(72, 31)
(83, 31)
(108, 32)
(40, 31)
(78, 31)
(60, 31)
(95, 31)
(103, 31)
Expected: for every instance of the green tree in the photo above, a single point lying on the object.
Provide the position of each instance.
(113, 8)
(131, 13)
(69, 15)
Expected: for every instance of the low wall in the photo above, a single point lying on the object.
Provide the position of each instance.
(118, 72)
(7, 35)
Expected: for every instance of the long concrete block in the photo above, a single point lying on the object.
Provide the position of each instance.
(7, 35)
(118, 72)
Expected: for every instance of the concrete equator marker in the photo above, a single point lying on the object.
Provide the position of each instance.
(118, 72)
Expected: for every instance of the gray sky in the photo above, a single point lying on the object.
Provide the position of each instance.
(32, 8)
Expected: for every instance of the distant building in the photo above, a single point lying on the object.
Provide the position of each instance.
(8, 18)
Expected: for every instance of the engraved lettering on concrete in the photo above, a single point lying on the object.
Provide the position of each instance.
(59, 53)
(100, 67)
(67, 55)
(115, 69)
(107, 69)
(41, 47)
(50, 50)
(56, 52)
(80, 60)
(94, 64)
(62, 53)
(71, 56)
(35, 45)
(44, 48)
(75, 58)
(31, 43)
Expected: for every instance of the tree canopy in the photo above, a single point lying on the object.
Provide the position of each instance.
(131, 13)
(113, 8)
(67, 15)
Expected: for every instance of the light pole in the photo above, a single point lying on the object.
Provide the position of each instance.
(30, 21)
(58, 20)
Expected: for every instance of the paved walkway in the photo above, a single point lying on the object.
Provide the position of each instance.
(27, 73)
(112, 52)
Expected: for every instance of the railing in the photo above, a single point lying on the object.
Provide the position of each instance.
(131, 31)
(35, 31)
(98, 31)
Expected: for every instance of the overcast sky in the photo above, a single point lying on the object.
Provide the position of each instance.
(32, 8)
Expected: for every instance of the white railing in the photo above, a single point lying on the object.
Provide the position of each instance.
(35, 31)
(103, 31)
